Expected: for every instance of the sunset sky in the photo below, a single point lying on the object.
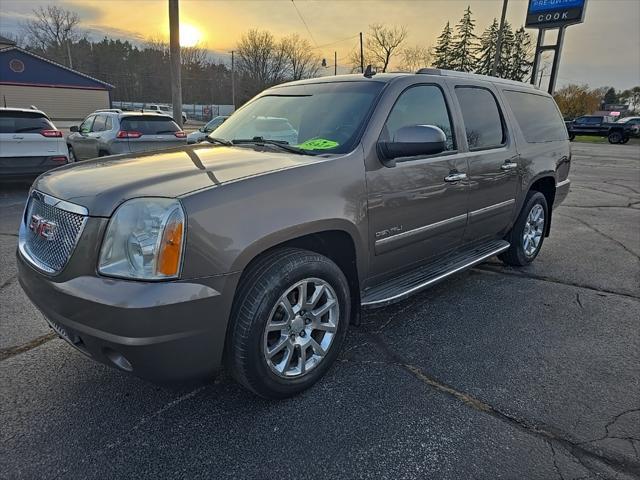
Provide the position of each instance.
(605, 50)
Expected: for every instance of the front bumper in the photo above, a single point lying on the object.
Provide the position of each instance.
(159, 331)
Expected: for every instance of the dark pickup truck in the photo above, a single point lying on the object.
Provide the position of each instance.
(599, 126)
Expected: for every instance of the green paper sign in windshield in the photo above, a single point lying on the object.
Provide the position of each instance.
(318, 144)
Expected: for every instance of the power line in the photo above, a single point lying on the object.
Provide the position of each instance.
(336, 42)
(305, 23)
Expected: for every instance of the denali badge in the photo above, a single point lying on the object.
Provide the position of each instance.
(43, 228)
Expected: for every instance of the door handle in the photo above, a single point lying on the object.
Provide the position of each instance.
(455, 177)
(508, 165)
(17, 137)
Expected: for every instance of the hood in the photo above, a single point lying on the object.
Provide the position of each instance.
(102, 184)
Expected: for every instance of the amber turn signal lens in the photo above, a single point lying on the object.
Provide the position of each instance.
(170, 249)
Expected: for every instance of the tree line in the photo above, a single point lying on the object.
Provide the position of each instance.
(140, 72)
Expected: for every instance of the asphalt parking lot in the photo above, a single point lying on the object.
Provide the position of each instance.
(509, 373)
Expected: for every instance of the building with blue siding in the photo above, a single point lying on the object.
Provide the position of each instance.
(28, 79)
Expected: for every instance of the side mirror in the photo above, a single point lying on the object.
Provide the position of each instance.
(202, 129)
(74, 128)
(411, 141)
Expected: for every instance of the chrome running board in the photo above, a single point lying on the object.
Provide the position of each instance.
(418, 279)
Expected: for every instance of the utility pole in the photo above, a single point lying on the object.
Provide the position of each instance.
(496, 59)
(335, 63)
(174, 56)
(69, 53)
(361, 55)
(233, 79)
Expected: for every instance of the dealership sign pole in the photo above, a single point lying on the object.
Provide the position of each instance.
(551, 14)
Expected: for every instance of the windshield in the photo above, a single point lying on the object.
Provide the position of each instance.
(23, 122)
(628, 119)
(150, 124)
(320, 118)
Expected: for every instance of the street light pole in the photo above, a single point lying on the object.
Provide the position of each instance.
(233, 79)
(335, 63)
(361, 55)
(496, 59)
(174, 56)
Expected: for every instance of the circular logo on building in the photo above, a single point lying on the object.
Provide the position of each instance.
(16, 65)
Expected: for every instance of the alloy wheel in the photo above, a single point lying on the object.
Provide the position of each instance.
(533, 230)
(301, 328)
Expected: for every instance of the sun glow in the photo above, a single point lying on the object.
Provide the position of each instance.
(189, 35)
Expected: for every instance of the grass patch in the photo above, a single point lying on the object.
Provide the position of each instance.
(603, 140)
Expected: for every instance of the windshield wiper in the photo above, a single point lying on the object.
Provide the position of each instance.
(282, 144)
(219, 141)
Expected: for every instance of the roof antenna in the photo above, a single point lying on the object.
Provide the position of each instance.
(368, 72)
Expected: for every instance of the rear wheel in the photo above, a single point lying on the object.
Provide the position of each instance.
(103, 153)
(72, 154)
(572, 136)
(527, 235)
(289, 319)
(615, 137)
(625, 140)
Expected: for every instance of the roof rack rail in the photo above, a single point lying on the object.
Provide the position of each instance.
(430, 71)
(114, 110)
(474, 76)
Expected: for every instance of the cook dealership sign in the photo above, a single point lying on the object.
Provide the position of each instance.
(554, 13)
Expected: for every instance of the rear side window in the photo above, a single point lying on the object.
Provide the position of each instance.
(23, 122)
(420, 105)
(149, 124)
(99, 124)
(538, 117)
(482, 118)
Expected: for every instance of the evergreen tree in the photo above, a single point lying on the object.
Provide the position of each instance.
(506, 52)
(465, 44)
(611, 96)
(520, 62)
(443, 50)
(487, 49)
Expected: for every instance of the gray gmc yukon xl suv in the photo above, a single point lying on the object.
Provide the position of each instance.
(257, 253)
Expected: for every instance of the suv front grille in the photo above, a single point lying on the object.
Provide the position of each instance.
(49, 231)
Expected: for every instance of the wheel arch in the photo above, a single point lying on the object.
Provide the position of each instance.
(547, 186)
(335, 241)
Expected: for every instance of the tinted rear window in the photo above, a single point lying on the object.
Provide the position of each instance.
(481, 116)
(538, 117)
(149, 125)
(23, 122)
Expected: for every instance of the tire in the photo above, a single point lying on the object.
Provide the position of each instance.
(518, 254)
(103, 153)
(270, 284)
(571, 137)
(625, 140)
(615, 137)
(72, 154)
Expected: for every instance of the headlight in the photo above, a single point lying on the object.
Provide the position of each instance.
(144, 240)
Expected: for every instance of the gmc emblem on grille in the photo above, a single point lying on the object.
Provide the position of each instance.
(42, 227)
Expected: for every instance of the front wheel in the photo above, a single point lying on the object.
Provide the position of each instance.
(572, 137)
(289, 320)
(615, 137)
(527, 235)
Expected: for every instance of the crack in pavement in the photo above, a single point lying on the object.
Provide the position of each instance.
(8, 281)
(25, 347)
(588, 225)
(593, 461)
(496, 270)
(8, 234)
(623, 186)
(139, 424)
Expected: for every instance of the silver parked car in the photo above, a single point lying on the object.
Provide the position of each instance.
(200, 134)
(110, 132)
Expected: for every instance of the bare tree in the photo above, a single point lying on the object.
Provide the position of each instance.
(52, 30)
(414, 58)
(383, 43)
(261, 59)
(302, 62)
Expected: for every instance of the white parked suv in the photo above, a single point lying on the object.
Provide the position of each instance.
(30, 144)
(165, 110)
